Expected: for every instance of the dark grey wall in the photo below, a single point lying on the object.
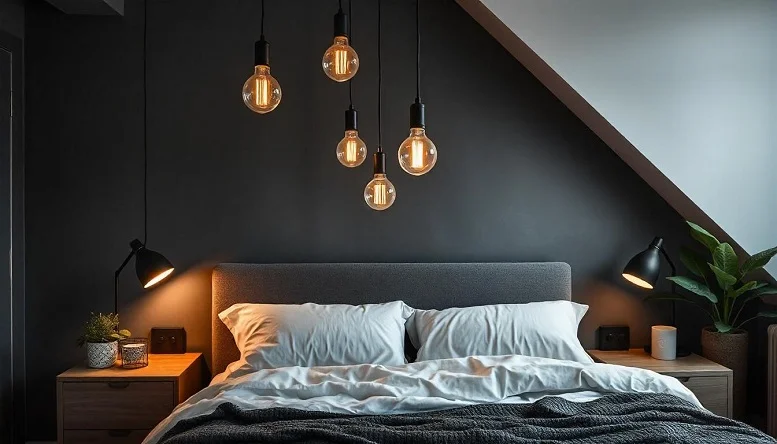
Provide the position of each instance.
(519, 177)
(12, 17)
(12, 292)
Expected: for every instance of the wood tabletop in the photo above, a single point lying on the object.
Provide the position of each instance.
(692, 365)
(159, 366)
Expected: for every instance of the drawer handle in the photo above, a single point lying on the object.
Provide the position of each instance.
(683, 378)
(118, 385)
(119, 433)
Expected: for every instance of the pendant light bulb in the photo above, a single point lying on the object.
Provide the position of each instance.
(340, 61)
(261, 92)
(380, 193)
(417, 154)
(351, 151)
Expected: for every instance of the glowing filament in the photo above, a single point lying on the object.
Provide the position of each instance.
(262, 91)
(350, 151)
(379, 195)
(417, 154)
(341, 62)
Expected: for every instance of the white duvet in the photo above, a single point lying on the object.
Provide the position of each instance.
(420, 386)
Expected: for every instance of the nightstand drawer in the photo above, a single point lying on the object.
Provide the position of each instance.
(712, 392)
(105, 436)
(116, 405)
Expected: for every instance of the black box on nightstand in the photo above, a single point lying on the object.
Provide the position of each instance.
(613, 337)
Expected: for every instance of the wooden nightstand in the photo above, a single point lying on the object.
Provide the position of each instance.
(710, 382)
(115, 405)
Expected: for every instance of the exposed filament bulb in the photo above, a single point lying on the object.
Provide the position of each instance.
(261, 92)
(417, 154)
(351, 151)
(340, 61)
(380, 193)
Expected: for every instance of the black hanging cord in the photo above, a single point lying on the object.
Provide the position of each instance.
(262, 25)
(380, 89)
(340, 4)
(145, 123)
(417, 50)
(350, 40)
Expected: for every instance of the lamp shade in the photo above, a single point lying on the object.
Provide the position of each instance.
(151, 267)
(644, 268)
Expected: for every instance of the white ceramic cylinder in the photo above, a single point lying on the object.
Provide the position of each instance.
(663, 342)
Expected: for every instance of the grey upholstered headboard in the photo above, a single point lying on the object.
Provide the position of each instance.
(419, 285)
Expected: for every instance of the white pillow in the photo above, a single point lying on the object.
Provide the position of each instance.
(539, 329)
(309, 335)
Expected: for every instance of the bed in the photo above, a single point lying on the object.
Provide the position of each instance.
(486, 398)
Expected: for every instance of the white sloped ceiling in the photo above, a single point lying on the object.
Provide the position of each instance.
(684, 91)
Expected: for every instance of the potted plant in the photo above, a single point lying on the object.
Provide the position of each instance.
(102, 336)
(722, 289)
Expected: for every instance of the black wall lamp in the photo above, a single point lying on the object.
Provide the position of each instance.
(643, 271)
(150, 266)
(644, 268)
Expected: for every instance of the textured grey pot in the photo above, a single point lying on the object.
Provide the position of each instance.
(730, 350)
(101, 355)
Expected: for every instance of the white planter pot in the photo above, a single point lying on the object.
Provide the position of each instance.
(101, 354)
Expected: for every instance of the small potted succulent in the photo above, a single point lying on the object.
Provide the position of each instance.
(102, 336)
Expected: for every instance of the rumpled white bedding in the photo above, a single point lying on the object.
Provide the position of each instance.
(419, 386)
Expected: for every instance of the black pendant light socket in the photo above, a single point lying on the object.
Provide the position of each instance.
(379, 163)
(417, 115)
(351, 120)
(341, 24)
(261, 52)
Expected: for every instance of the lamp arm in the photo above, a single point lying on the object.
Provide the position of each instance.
(669, 260)
(116, 282)
(674, 286)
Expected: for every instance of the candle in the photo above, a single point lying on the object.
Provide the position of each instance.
(133, 354)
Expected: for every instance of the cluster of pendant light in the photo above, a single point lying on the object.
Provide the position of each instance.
(417, 154)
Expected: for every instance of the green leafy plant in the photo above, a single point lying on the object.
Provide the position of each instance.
(102, 328)
(721, 287)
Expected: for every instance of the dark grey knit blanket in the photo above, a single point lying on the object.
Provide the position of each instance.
(612, 419)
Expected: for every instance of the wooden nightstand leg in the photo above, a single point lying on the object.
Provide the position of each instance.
(730, 383)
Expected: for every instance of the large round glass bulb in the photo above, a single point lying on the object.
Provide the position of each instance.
(261, 92)
(351, 151)
(417, 154)
(340, 60)
(380, 193)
